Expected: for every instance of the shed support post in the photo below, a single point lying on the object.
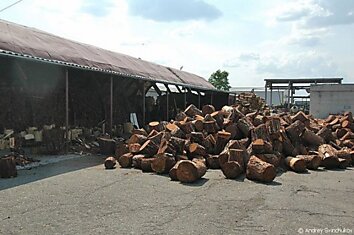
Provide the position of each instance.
(271, 96)
(167, 105)
(265, 92)
(143, 95)
(199, 100)
(111, 107)
(185, 97)
(66, 111)
(211, 98)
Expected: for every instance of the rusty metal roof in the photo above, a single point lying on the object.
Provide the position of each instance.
(29, 42)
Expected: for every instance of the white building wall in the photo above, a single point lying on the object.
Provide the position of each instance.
(331, 99)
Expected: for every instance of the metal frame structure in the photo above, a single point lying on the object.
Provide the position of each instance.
(291, 85)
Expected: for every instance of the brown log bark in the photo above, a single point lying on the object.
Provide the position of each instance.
(8, 167)
(178, 133)
(328, 156)
(231, 169)
(210, 126)
(197, 137)
(149, 147)
(260, 170)
(146, 164)
(157, 126)
(260, 132)
(178, 144)
(238, 155)
(152, 133)
(294, 131)
(213, 161)
(221, 141)
(191, 111)
(190, 171)
(274, 127)
(311, 139)
(208, 109)
(180, 116)
(235, 132)
(312, 161)
(198, 125)
(173, 172)
(110, 162)
(300, 116)
(125, 161)
(295, 164)
(166, 147)
(136, 161)
(171, 127)
(134, 148)
(245, 126)
(162, 163)
(270, 158)
(140, 132)
(219, 118)
(186, 127)
(156, 138)
(325, 133)
(196, 149)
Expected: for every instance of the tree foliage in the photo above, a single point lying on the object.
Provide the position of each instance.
(220, 80)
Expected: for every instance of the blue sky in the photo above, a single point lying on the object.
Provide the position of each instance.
(252, 40)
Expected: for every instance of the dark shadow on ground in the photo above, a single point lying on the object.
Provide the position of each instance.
(197, 183)
(50, 170)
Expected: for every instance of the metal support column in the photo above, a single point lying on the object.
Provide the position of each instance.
(167, 105)
(266, 93)
(144, 111)
(185, 97)
(271, 95)
(211, 98)
(198, 100)
(111, 108)
(66, 111)
(289, 87)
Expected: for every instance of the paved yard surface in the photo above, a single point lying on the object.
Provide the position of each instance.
(77, 196)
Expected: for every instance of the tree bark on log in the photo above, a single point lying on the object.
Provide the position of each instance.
(173, 172)
(311, 139)
(110, 163)
(190, 171)
(231, 169)
(328, 156)
(191, 111)
(149, 147)
(162, 163)
(312, 161)
(146, 164)
(260, 170)
(125, 161)
(196, 149)
(134, 148)
(213, 162)
(208, 109)
(296, 164)
(136, 161)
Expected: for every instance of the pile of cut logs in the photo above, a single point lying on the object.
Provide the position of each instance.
(237, 141)
(250, 100)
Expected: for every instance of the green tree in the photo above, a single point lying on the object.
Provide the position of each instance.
(220, 80)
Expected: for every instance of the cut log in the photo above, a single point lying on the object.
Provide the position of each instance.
(110, 162)
(210, 127)
(178, 144)
(326, 134)
(312, 161)
(274, 127)
(8, 167)
(152, 133)
(311, 139)
(125, 161)
(140, 132)
(270, 158)
(296, 164)
(245, 126)
(197, 137)
(208, 109)
(156, 138)
(186, 127)
(213, 161)
(171, 127)
(198, 125)
(190, 171)
(260, 170)
(157, 126)
(238, 155)
(260, 132)
(134, 148)
(294, 131)
(146, 164)
(180, 116)
(235, 132)
(166, 147)
(136, 161)
(196, 149)
(173, 172)
(219, 118)
(178, 133)
(162, 163)
(231, 169)
(328, 156)
(149, 147)
(191, 111)
(300, 116)
(221, 141)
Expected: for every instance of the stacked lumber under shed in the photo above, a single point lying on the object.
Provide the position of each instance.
(238, 141)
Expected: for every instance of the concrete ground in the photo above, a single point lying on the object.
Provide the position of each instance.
(77, 196)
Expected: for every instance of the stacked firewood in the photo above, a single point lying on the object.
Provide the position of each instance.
(237, 141)
(250, 100)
